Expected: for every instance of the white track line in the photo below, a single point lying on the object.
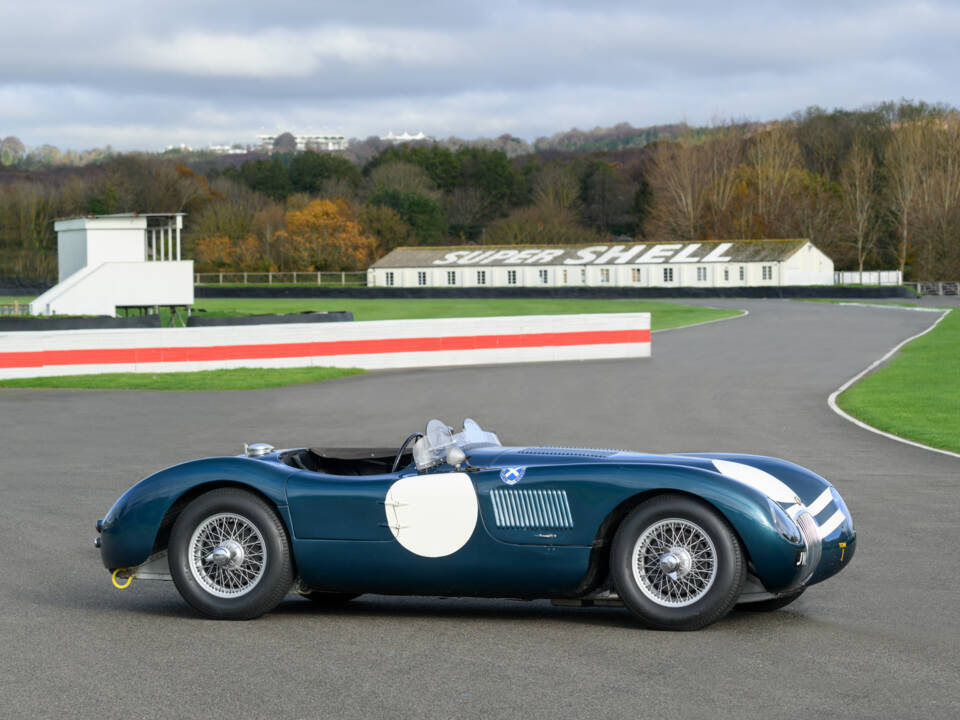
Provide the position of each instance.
(832, 400)
(743, 314)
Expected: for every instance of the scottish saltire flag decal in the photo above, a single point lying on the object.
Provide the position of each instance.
(512, 475)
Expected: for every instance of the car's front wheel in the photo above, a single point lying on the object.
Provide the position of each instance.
(677, 564)
(229, 555)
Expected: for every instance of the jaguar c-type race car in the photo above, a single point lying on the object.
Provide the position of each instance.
(678, 539)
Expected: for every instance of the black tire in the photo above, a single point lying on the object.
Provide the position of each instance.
(330, 599)
(228, 592)
(771, 604)
(705, 590)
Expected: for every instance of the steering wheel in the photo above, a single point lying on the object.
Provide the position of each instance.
(396, 460)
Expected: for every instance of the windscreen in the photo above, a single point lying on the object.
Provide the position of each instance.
(431, 449)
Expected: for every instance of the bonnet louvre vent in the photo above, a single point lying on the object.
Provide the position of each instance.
(568, 452)
(519, 508)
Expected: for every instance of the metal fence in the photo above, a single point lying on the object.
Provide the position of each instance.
(945, 287)
(15, 308)
(332, 279)
(867, 277)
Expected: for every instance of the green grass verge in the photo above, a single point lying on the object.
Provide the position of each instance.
(10, 299)
(663, 314)
(237, 379)
(917, 394)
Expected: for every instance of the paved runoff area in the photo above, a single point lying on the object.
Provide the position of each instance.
(880, 640)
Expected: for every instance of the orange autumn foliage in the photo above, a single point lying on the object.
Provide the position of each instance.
(324, 235)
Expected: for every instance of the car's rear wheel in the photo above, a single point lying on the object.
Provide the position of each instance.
(771, 604)
(677, 564)
(229, 555)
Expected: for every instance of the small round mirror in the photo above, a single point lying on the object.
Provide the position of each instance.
(455, 457)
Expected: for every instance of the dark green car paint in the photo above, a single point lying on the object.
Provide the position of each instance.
(340, 539)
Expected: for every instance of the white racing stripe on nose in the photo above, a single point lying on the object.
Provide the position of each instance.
(817, 506)
(832, 523)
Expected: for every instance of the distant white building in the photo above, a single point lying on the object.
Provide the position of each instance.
(330, 143)
(226, 149)
(404, 137)
(743, 263)
(116, 261)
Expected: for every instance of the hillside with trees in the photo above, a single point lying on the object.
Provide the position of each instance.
(877, 187)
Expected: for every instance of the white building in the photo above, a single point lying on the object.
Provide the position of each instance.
(744, 263)
(405, 137)
(329, 143)
(116, 261)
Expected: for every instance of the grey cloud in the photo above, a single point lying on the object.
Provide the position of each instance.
(74, 73)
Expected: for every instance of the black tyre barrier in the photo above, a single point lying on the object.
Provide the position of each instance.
(619, 293)
(198, 320)
(14, 323)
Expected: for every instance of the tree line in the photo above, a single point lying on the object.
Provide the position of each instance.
(877, 187)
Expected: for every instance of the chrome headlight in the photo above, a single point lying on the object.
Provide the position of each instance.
(785, 526)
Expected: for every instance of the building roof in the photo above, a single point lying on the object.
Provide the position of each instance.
(736, 251)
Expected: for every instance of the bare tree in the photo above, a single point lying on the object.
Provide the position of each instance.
(939, 204)
(858, 183)
(724, 152)
(904, 162)
(556, 188)
(775, 159)
(680, 181)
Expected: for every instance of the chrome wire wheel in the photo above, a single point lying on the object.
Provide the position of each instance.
(674, 562)
(227, 555)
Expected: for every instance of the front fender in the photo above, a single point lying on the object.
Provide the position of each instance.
(597, 490)
(129, 529)
(745, 508)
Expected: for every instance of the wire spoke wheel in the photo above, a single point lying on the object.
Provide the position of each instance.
(227, 555)
(674, 562)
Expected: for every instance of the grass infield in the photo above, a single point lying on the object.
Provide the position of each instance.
(663, 314)
(917, 394)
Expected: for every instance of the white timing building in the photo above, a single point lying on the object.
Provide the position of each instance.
(118, 261)
(742, 263)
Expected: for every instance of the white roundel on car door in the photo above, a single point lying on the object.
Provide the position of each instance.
(432, 515)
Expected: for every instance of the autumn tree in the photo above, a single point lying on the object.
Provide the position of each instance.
(12, 150)
(386, 226)
(324, 235)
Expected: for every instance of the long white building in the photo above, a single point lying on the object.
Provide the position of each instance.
(743, 263)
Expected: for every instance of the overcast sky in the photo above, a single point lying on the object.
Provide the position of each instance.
(146, 75)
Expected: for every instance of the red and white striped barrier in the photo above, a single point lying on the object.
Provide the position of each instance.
(371, 345)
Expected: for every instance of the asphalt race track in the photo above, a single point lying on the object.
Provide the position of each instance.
(881, 640)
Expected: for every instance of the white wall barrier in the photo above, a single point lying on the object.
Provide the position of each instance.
(371, 345)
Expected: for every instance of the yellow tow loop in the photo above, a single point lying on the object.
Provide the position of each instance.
(118, 586)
